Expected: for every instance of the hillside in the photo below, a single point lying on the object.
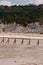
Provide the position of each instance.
(21, 14)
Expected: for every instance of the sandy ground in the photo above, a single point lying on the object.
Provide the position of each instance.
(21, 54)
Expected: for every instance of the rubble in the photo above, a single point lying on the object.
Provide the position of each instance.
(18, 28)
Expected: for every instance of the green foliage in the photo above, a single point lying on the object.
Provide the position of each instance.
(21, 14)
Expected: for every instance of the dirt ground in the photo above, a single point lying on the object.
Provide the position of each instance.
(21, 55)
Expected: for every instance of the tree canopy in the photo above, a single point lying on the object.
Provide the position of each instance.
(21, 14)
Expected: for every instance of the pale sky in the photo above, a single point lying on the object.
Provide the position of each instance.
(20, 2)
